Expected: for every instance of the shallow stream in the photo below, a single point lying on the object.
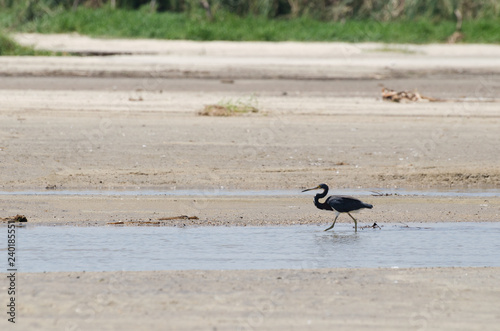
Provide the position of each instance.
(112, 248)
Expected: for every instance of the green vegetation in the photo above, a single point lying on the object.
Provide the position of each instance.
(396, 21)
(326, 10)
(226, 108)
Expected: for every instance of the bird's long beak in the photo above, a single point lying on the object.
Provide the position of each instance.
(310, 189)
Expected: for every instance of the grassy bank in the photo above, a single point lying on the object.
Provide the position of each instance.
(106, 22)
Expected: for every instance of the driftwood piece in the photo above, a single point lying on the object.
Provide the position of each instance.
(181, 217)
(154, 222)
(227, 110)
(405, 96)
(17, 218)
(139, 223)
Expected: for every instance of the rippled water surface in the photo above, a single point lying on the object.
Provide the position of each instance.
(45, 248)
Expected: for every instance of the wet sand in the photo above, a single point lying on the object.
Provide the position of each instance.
(243, 211)
(130, 122)
(309, 299)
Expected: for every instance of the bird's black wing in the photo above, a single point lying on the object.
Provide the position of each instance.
(344, 204)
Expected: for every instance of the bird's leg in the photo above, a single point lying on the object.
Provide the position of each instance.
(335, 220)
(355, 222)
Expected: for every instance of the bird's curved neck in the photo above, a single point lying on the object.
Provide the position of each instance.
(319, 204)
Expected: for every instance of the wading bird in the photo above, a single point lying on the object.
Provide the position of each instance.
(338, 203)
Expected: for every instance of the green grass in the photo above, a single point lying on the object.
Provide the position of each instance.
(393, 49)
(105, 22)
(230, 107)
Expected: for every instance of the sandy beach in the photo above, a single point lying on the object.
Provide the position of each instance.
(128, 122)
(318, 299)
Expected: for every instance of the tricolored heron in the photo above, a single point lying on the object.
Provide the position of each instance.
(338, 203)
